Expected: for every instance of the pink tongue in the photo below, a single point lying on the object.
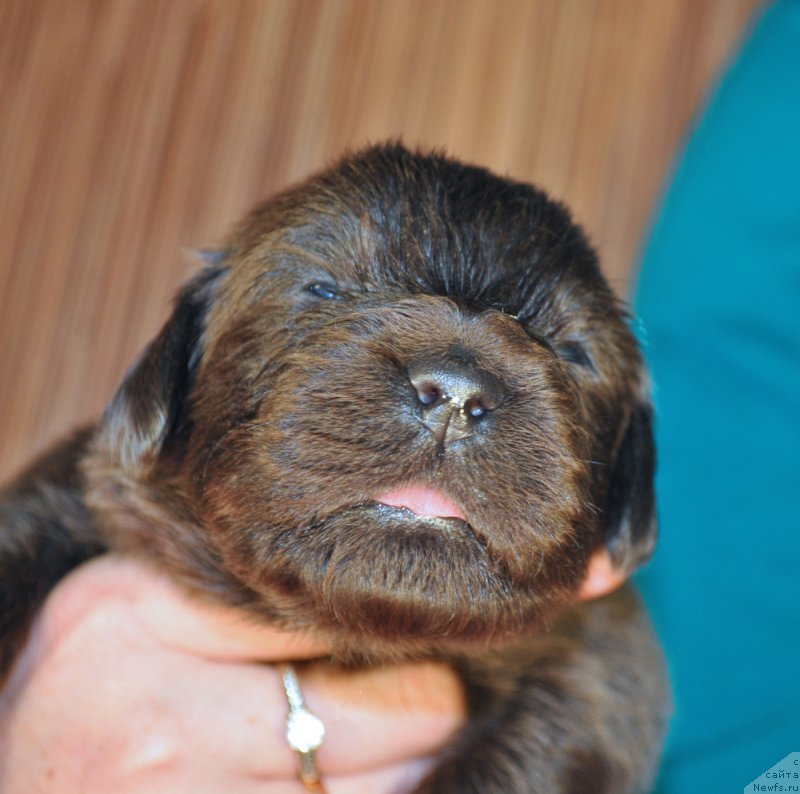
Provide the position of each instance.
(423, 502)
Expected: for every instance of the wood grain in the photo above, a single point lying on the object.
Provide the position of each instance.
(131, 130)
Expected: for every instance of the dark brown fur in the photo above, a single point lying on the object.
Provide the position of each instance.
(244, 450)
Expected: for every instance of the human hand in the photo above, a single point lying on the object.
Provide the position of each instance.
(128, 685)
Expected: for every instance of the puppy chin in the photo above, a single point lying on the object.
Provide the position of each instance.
(385, 580)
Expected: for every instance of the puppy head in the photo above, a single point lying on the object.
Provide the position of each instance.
(402, 404)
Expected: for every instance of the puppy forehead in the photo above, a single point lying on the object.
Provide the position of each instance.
(388, 218)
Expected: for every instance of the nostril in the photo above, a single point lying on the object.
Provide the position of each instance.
(475, 407)
(428, 393)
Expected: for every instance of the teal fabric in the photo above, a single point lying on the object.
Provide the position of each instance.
(719, 306)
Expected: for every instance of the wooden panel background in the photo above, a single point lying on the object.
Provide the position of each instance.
(132, 129)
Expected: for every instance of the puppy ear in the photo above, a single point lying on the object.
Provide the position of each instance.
(149, 408)
(630, 524)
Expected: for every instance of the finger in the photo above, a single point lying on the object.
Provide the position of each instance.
(373, 719)
(177, 619)
(380, 717)
(105, 703)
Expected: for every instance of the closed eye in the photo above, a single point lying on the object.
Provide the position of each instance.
(328, 290)
(574, 353)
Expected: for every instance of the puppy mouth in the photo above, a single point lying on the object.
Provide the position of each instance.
(423, 503)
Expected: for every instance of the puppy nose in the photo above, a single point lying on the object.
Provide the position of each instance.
(454, 396)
